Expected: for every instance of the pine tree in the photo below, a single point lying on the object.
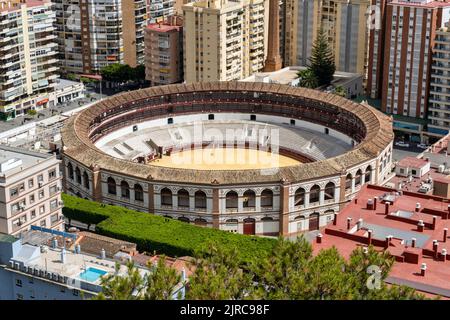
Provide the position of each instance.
(322, 60)
(161, 282)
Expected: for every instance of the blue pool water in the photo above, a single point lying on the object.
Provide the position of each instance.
(91, 274)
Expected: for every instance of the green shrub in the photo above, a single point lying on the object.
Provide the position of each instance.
(163, 235)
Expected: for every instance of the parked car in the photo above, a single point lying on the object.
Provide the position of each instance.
(422, 146)
(402, 144)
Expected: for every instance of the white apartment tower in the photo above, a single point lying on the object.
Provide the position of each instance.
(439, 101)
(224, 40)
(28, 57)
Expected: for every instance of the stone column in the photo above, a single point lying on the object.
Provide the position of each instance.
(321, 197)
(258, 203)
(191, 202)
(273, 61)
(215, 208)
(284, 210)
(151, 199)
(96, 184)
(353, 184)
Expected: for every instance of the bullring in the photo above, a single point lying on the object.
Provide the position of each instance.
(332, 146)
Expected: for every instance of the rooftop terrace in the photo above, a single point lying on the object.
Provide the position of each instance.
(393, 222)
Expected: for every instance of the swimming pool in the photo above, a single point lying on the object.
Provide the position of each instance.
(92, 274)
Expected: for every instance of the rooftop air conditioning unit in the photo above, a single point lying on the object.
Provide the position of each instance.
(11, 264)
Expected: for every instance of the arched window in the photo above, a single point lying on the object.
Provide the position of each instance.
(184, 219)
(348, 182)
(249, 199)
(266, 219)
(358, 177)
(231, 200)
(329, 191)
(368, 175)
(78, 175)
(200, 222)
(314, 194)
(138, 192)
(166, 197)
(267, 198)
(299, 198)
(200, 200)
(70, 169)
(183, 198)
(125, 189)
(86, 180)
(111, 186)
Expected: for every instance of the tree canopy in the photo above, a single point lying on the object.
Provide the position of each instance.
(291, 271)
(118, 72)
(321, 66)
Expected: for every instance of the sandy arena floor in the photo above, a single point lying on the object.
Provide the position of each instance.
(224, 159)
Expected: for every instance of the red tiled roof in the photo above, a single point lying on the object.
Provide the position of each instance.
(438, 271)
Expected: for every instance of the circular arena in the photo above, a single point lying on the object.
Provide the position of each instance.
(244, 157)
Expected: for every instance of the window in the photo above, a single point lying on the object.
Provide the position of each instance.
(200, 200)
(75, 292)
(266, 198)
(18, 282)
(18, 206)
(53, 204)
(70, 169)
(53, 189)
(299, 198)
(329, 191)
(111, 186)
(231, 200)
(33, 214)
(43, 223)
(138, 193)
(314, 194)
(32, 198)
(40, 178)
(52, 174)
(41, 194)
(183, 199)
(42, 209)
(53, 219)
(253, 117)
(166, 197)
(414, 172)
(125, 189)
(31, 183)
(86, 180)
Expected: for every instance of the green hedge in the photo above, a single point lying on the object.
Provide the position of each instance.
(155, 233)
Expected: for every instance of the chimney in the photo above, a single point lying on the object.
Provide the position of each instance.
(369, 237)
(445, 235)
(420, 226)
(413, 242)
(369, 204)
(335, 218)
(103, 254)
(356, 200)
(417, 206)
(319, 238)
(54, 243)
(348, 223)
(63, 256)
(444, 254)
(359, 224)
(273, 60)
(386, 208)
(423, 268)
(434, 222)
(387, 241)
(375, 200)
(435, 248)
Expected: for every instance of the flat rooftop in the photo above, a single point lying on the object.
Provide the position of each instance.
(14, 160)
(414, 184)
(412, 162)
(401, 223)
(282, 76)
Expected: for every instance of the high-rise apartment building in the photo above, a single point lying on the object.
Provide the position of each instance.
(95, 33)
(158, 10)
(224, 39)
(439, 100)
(164, 51)
(28, 57)
(344, 23)
(409, 39)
